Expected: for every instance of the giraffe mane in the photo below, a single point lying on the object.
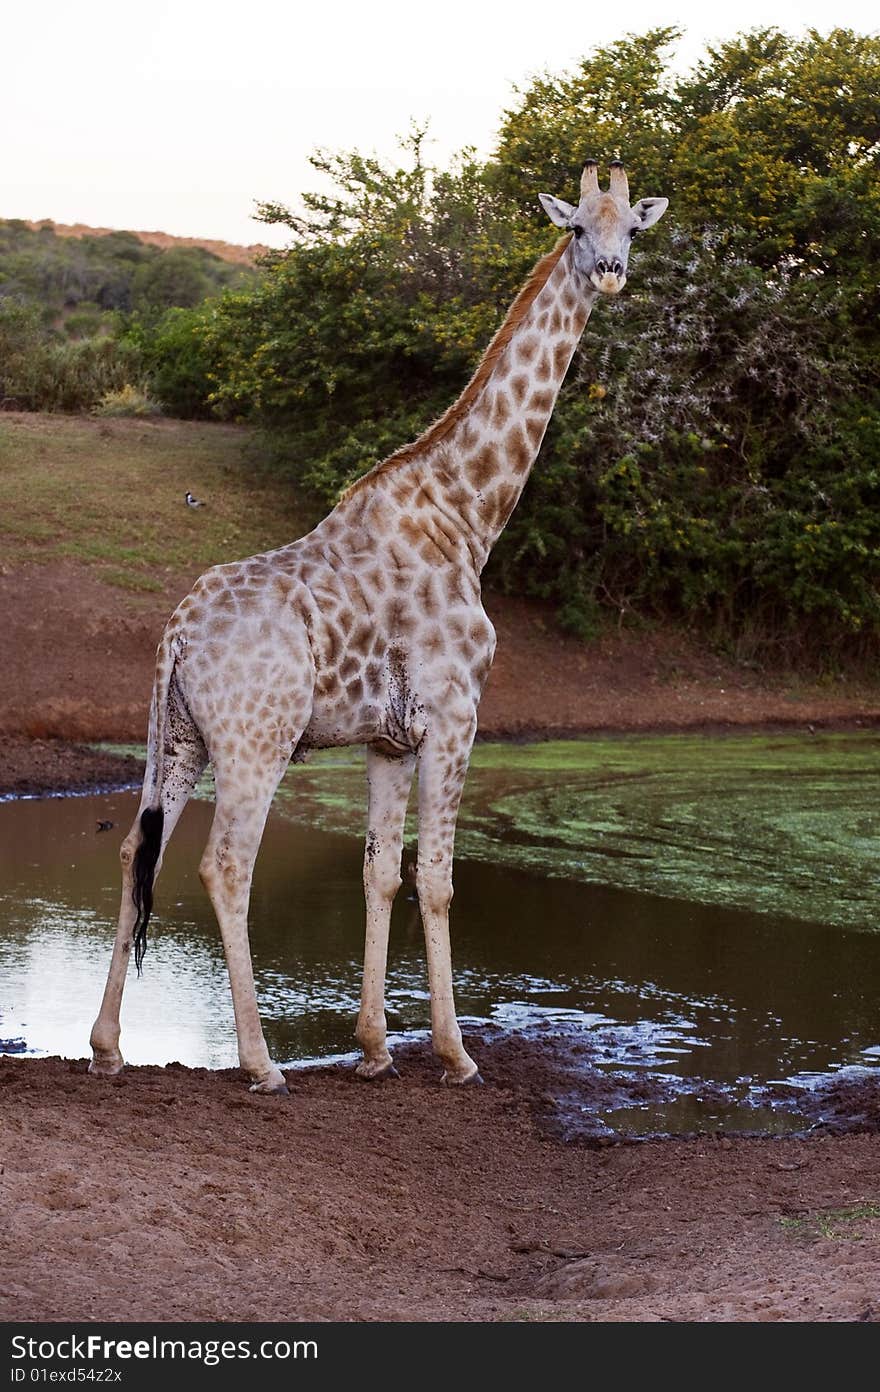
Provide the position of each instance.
(441, 427)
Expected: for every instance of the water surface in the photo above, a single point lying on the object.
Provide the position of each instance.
(698, 911)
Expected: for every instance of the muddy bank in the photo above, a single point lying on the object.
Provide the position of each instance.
(45, 767)
(173, 1194)
(563, 1077)
(42, 767)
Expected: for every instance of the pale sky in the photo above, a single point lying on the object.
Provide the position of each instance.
(179, 114)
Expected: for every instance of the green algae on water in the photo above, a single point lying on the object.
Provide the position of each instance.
(775, 824)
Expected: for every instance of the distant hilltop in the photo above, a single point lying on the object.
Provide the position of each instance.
(227, 251)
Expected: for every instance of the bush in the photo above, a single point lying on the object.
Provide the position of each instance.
(40, 372)
(177, 358)
(87, 321)
(127, 401)
(88, 286)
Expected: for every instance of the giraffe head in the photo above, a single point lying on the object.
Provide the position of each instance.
(603, 225)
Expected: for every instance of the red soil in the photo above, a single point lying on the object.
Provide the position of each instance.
(227, 251)
(170, 1194)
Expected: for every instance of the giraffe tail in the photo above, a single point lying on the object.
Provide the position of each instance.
(146, 858)
(152, 819)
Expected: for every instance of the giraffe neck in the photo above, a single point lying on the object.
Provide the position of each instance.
(476, 475)
(447, 496)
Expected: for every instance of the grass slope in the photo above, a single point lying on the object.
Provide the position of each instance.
(110, 494)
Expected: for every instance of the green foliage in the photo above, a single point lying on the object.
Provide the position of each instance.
(712, 455)
(128, 401)
(176, 358)
(45, 372)
(691, 449)
(356, 338)
(83, 316)
(619, 100)
(87, 320)
(116, 271)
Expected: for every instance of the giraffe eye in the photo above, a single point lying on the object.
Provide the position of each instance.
(578, 231)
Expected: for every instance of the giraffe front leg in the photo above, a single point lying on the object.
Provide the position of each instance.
(389, 781)
(443, 764)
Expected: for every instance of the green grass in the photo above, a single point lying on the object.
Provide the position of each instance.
(834, 1224)
(110, 494)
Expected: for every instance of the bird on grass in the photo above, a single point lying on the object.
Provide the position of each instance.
(193, 502)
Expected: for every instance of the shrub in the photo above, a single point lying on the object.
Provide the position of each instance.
(45, 372)
(178, 359)
(127, 401)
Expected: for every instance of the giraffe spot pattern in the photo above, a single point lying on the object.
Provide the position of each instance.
(535, 426)
(500, 410)
(519, 451)
(527, 346)
(561, 355)
(519, 386)
(483, 466)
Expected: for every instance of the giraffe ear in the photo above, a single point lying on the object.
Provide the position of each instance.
(558, 212)
(650, 210)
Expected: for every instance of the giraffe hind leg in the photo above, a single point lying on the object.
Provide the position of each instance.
(141, 856)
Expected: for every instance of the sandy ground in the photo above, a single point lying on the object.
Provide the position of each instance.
(171, 1194)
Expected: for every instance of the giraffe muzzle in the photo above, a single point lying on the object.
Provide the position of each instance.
(609, 277)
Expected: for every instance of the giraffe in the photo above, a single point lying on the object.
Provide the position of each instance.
(369, 630)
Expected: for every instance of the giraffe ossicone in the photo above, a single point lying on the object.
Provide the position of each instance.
(370, 630)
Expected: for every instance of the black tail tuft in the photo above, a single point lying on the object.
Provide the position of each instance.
(145, 859)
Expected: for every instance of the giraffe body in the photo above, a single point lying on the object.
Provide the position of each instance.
(370, 630)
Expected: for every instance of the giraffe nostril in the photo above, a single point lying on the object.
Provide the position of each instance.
(602, 266)
(617, 267)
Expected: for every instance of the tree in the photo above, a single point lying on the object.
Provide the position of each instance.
(175, 278)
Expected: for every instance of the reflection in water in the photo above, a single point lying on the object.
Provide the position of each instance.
(677, 989)
(52, 987)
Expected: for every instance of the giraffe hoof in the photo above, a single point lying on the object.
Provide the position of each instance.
(106, 1067)
(371, 1073)
(274, 1084)
(470, 1080)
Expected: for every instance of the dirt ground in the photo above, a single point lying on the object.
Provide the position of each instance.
(170, 1194)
